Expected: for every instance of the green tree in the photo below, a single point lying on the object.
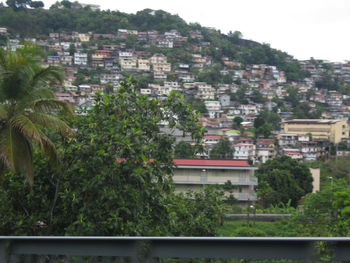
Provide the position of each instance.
(200, 211)
(222, 150)
(28, 108)
(266, 122)
(199, 106)
(183, 150)
(320, 213)
(264, 130)
(237, 122)
(257, 97)
(282, 179)
(304, 111)
(240, 95)
(342, 204)
(293, 96)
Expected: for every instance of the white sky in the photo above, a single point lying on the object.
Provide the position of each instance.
(303, 28)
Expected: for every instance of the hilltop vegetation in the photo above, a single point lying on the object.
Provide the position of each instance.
(67, 16)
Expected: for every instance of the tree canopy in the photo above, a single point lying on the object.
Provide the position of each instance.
(184, 150)
(222, 150)
(282, 179)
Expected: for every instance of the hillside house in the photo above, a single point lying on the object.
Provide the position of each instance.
(244, 151)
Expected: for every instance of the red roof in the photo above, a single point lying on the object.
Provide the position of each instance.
(203, 162)
(293, 153)
(245, 140)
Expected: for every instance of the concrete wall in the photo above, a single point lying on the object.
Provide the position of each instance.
(315, 172)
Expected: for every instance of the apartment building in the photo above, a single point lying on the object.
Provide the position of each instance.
(143, 64)
(244, 151)
(193, 174)
(331, 130)
(80, 59)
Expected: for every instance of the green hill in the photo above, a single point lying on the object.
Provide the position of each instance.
(66, 16)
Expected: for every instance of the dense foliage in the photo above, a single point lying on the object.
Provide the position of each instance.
(116, 178)
(283, 179)
(266, 122)
(184, 150)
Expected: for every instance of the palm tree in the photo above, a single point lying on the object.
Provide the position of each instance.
(28, 108)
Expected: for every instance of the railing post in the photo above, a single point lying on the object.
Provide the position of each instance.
(2, 251)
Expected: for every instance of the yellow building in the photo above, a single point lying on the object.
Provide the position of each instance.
(84, 37)
(331, 130)
(128, 63)
(193, 174)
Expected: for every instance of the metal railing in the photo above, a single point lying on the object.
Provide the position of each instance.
(152, 248)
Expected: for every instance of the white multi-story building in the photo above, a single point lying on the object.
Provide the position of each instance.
(244, 151)
(205, 91)
(212, 105)
(248, 109)
(110, 78)
(287, 140)
(80, 59)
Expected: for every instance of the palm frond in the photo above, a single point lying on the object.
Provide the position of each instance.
(37, 94)
(49, 150)
(42, 93)
(47, 75)
(49, 105)
(26, 127)
(32, 52)
(3, 60)
(50, 121)
(23, 158)
(30, 131)
(16, 152)
(15, 78)
(3, 112)
(6, 148)
(2, 170)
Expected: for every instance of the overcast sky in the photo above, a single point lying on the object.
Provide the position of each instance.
(303, 28)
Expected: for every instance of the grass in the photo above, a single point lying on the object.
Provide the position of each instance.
(249, 228)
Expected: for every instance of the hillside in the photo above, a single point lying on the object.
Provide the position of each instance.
(71, 17)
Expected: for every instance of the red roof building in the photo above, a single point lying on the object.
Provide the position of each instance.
(193, 174)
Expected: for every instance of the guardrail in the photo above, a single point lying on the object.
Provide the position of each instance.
(62, 249)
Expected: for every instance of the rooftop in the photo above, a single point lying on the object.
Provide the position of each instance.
(311, 121)
(214, 163)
